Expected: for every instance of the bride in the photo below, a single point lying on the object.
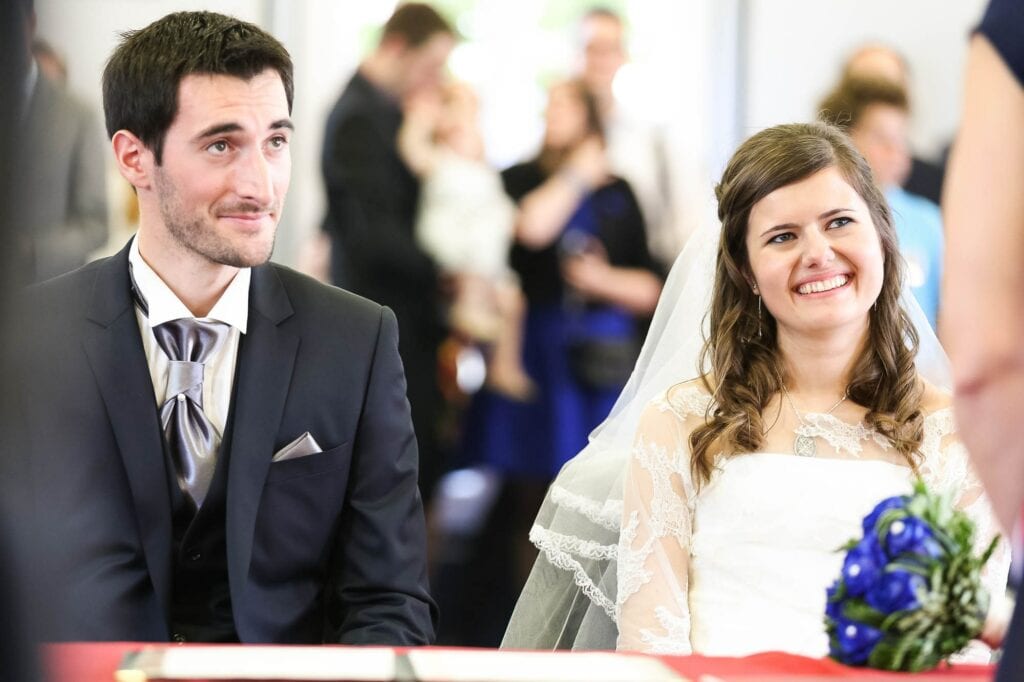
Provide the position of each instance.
(705, 514)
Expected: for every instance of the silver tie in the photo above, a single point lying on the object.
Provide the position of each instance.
(189, 343)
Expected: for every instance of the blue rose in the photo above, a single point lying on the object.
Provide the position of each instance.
(833, 606)
(862, 566)
(885, 505)
(912, 536)
(854, 641)
(895, 590)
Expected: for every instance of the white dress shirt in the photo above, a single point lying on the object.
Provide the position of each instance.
(219, 371)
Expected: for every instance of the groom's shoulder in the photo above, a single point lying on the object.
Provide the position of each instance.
(311, 296)
(69, 288)
(64, 304)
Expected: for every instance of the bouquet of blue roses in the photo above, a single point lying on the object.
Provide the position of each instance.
(910, 593)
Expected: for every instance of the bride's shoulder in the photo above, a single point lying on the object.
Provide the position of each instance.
(685, 399)
(945, 464)
(935, 399)
(939, 428)
(937, 406)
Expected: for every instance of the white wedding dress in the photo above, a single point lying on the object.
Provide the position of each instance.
(742, 565)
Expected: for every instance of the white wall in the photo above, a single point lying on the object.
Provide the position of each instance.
(795, 49)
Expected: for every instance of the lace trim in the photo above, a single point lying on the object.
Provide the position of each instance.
(669, 513)
(676, 639)
(937, 426)
(559, 549)
(684, 402)
(631, 572)
(843, 437)
(607, 514)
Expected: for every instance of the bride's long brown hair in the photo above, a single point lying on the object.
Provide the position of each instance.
(741, 352)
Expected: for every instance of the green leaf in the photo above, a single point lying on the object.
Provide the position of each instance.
(858, 610)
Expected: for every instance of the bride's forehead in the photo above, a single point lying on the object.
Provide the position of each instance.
(804, 200)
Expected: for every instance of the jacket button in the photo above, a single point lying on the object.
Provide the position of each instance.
(195, 556)
(179, 638)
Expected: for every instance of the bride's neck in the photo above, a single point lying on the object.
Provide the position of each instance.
(818, 368)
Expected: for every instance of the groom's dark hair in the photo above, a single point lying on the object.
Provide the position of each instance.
(142, 77)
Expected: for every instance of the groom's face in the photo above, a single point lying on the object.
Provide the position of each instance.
(226, 167)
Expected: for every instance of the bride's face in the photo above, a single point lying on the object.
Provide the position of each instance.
(815, 255)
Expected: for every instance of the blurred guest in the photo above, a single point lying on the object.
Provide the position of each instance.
(984, 288)
(874, 60)
(590, 283)
(588, 278)
(875, 113)
(636, 149)
(465, 223)
(372, 197)
(59, 147)
(51, 63)
(20, 593)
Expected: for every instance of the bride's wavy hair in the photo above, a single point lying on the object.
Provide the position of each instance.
(743, 370)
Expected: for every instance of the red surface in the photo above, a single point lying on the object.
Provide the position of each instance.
(96, 662)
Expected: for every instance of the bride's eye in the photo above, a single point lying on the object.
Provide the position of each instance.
(783, 237)
(841, 221)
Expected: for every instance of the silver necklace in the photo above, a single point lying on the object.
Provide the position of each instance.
(805, 446)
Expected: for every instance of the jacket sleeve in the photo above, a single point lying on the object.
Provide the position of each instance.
(378, 592)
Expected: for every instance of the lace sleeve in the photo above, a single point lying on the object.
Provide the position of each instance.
(654, 542)
(947, 468)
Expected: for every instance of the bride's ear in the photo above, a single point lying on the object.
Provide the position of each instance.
(752, 283)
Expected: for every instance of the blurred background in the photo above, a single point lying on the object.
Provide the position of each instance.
(710, 71)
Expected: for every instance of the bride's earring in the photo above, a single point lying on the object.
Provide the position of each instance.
(753, 287)
(759, 316)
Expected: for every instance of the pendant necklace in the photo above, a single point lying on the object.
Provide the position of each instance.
(804, 445)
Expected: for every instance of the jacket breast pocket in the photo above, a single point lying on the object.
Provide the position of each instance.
(311, 465)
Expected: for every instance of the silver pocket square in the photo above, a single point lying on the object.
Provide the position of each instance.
(303, 446)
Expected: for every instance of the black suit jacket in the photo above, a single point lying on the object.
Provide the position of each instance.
(328, 547)
(1011, 666)
(372, 201)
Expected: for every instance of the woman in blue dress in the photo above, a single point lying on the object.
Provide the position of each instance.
(589, 282)
(590, 285)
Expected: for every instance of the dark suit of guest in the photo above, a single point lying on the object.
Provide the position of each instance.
(372, 200)
(1011, 666)
(324, 547)
(59, 147)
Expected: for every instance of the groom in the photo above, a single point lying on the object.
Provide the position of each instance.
(219, 447)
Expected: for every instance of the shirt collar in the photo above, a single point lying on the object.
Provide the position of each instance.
(232, 308)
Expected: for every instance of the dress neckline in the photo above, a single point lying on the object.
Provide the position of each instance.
(791, 456)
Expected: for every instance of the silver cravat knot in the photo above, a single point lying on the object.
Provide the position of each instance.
(189, 343)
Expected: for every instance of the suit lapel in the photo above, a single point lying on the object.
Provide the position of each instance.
(115, 352)
(266, 358)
